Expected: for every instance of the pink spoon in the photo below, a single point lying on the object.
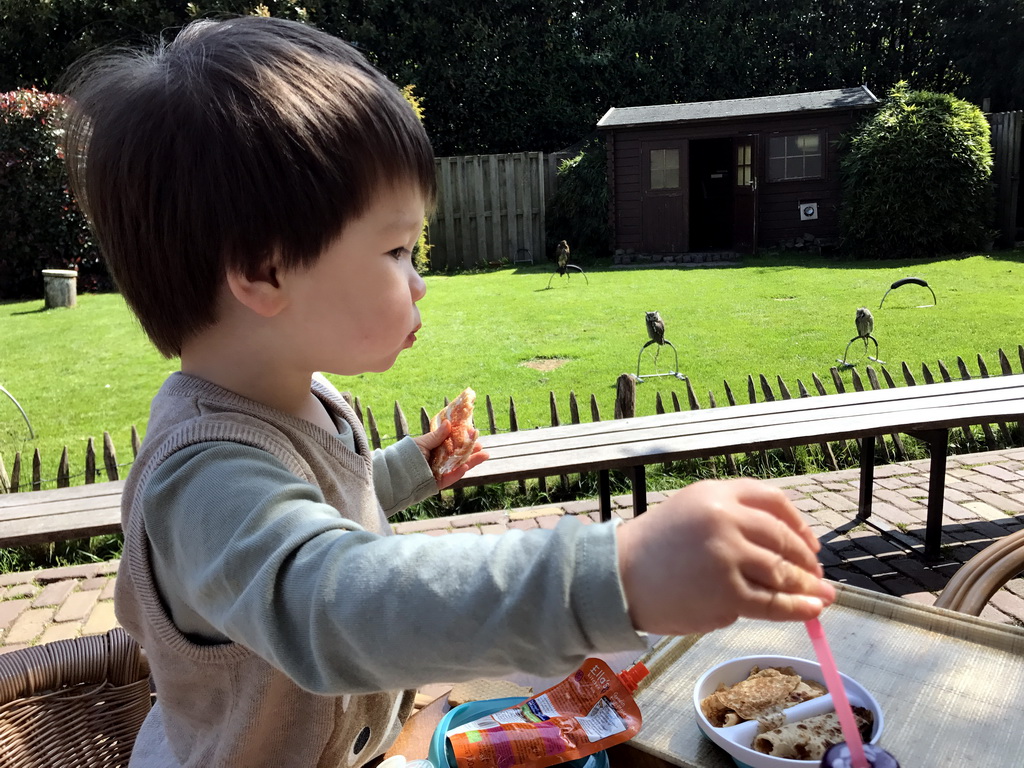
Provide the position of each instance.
(835, 686)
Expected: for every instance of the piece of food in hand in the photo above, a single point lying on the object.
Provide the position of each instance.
(809, 739)
(761, 696)
(458, 446)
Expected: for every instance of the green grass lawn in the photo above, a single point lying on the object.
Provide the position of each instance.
(82, 371)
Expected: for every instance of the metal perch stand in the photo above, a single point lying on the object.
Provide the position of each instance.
(562, 259)
(656, 333)
(911, 281)
(865, 325)
(31, 432)
(565, 271)
(873, 359)
(674, 372)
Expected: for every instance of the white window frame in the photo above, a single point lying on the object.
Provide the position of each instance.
(793, 150)
(664, 172)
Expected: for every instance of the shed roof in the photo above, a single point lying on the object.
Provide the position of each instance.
(813, 101)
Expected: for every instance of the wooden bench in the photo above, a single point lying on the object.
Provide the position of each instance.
(927, 412)
(39, 517)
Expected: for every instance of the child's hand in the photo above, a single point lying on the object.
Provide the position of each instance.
(431, 440)
(718, 550)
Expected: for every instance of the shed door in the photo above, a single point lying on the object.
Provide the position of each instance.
(664, 180)
(745, 194)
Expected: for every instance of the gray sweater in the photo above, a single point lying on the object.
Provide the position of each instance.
(275, 607)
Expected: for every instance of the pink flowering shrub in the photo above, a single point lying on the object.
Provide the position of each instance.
(41, 227)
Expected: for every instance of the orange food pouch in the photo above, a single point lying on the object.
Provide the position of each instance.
(589, 711)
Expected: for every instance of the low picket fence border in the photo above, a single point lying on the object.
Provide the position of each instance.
(104, 464)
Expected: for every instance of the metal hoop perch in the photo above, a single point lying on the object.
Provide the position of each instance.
(674, 372)
(865, 338)
(911, 281)
(565, 271)
(31, 432)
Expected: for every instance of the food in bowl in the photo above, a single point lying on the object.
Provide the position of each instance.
(759, 696)
(811, 738)
(737, 740)
(763, 695)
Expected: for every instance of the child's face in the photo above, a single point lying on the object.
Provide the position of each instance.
(355, 309)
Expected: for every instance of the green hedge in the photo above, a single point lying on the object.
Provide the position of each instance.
(41, 227)
(917, 178)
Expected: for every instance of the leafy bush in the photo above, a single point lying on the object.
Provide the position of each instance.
(917, 178)
(41, 227)
(578, 210)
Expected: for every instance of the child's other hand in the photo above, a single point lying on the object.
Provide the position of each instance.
(718, 550)
(431, 440)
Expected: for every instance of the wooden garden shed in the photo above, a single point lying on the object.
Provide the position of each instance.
(728, 175)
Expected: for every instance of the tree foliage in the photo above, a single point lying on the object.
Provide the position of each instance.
(578, 210)
(512, 75)
(917, 178)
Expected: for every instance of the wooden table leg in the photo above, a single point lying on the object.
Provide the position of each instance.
(867, 476)
(604, 494)
(639, 489)
(938, 441)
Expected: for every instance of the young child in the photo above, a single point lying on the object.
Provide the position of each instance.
(257, 189)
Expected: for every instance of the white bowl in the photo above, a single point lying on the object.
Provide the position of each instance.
(729, 738)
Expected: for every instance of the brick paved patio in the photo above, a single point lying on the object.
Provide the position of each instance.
(984, 500)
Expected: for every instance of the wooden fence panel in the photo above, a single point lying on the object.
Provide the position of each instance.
(491, 208)
(1007, 166)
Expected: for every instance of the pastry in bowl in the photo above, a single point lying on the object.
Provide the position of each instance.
(812, 737)
(759, 696)
(781, 701)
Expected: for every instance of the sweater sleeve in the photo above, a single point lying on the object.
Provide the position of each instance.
(401, 476)
(342, 610)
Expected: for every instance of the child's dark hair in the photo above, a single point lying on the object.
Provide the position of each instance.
(239, 139)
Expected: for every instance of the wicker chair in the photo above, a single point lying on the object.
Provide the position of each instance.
(73, 703)
(977, 580)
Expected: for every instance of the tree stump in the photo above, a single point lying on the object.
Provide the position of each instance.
(60, 287)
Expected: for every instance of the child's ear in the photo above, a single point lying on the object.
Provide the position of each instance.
(258, 289)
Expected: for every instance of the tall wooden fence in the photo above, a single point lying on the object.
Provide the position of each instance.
(1008, 166)
(756, 388)
(491, 209)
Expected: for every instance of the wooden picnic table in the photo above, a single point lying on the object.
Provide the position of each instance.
(927, 411)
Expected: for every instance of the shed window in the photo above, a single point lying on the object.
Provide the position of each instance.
(794, 157)
(744, 165)
(664, 168)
